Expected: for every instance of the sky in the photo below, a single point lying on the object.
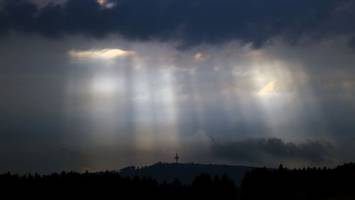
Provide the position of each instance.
(103, 84)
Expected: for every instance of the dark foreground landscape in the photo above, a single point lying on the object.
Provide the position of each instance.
(132, 183)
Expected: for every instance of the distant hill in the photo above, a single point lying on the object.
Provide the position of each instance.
(185, 172)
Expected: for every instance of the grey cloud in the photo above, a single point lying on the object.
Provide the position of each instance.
(266, 151)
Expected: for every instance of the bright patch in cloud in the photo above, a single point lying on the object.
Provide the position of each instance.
(199, 57)
(106, 3)
(269, 88)
(105, 54)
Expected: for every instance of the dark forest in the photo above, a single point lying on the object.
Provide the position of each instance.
(259, 183)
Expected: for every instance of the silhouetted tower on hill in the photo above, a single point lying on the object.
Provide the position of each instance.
(176, 158)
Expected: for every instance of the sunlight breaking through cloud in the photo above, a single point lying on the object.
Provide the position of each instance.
(104, 54)
(146, 98)
(199, 57)
(106, 4)
(269, 88)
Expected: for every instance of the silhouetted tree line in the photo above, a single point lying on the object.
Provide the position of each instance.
(299, 184)
(111, 185)
(258, 184)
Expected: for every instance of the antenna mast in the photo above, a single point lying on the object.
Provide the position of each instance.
(176, 158)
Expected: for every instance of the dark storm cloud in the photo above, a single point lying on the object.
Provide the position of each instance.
(273, 150)
(191, 21)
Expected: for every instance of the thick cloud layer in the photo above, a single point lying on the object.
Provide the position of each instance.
(190, 21)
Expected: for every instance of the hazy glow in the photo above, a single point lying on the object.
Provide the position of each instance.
(104, 86)
(104, 54)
